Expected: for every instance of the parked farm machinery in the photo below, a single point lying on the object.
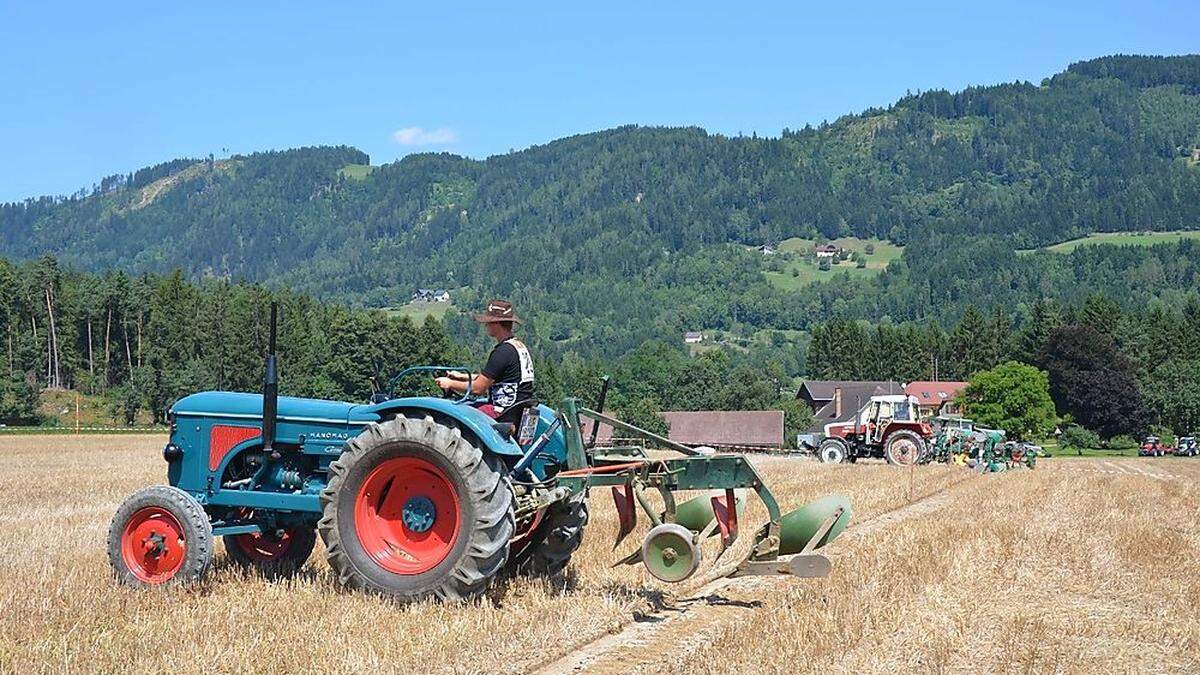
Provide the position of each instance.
(887, 426)
(1153, 446)
(1186, 447)
(417, 497)
(985, 450)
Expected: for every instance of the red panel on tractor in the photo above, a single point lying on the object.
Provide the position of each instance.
(223, 438)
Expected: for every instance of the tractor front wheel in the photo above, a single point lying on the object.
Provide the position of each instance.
(904, 448)
(275, 555)
(412, 510)
(833, 451)
(160, 535)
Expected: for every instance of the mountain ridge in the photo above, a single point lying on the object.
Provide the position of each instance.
(615, 235)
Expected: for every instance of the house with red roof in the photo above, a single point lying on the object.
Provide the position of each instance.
(936, 398)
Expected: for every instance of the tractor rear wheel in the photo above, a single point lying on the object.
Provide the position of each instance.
(275, 555)
(556, 539)
(412, 510)
(903, 447)
(160, 535)
(833, 451)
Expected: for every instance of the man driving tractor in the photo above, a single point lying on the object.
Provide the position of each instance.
(508, 375)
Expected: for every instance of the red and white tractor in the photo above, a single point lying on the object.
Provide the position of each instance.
(887, 426)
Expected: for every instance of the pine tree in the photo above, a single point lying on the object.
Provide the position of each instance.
(969, 342)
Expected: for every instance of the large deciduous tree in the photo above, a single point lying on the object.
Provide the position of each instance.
(1014, 397)
(1092, 380)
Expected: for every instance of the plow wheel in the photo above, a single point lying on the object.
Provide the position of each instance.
(556, 539)
(276, 554)
(670, 553)
(160, 535)
(412, 510)
(904, 448)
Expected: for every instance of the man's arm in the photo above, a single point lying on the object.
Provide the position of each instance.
(493, 369)
(479, 384)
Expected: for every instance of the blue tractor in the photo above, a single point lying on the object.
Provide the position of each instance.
(418, 497)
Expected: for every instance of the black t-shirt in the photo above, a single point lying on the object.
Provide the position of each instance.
(511, 370)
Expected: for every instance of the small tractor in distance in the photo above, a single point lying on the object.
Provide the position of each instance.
(887, 426)
(1154, 447)
(424, 497)
(1186, 447)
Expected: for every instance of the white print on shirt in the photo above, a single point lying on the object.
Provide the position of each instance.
(525, 359)
(504, 394)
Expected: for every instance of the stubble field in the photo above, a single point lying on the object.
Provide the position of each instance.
(1080, 566)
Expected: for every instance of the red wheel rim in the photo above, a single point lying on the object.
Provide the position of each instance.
(153, 545)
(391, 487)
(263, 548)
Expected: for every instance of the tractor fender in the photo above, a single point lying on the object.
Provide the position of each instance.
(465, 415)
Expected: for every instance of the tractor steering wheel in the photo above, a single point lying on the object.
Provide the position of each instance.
(465, 398)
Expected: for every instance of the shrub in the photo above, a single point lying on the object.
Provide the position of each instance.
(1078, 438)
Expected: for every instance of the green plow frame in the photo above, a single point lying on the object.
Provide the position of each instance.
(671, 550)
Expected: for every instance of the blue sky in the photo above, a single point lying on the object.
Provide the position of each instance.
(93, 89)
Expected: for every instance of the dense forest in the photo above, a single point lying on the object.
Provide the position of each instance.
(141, 342)
(1111, 371)
(614, 243)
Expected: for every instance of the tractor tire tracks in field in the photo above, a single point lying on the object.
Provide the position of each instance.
(692, 622)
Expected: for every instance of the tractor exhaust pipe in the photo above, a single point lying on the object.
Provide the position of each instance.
(599, 406)
(270, 396)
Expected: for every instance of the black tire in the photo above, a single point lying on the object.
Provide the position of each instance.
(485, 523)
(833, 451)
(165, 509)
(557, 538)
(268, 554)
(903, 447)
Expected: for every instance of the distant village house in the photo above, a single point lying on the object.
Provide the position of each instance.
(837, 400)
(692, 337)
(936, 398)
(827, 250)
(428, 295)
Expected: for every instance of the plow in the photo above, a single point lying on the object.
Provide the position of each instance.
(418, 497)
(984, 450)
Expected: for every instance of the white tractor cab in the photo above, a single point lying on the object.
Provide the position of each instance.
(888, 426)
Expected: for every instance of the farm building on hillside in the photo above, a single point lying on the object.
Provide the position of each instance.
(835, 400)
(826, 251)
(936, 398)
(430, 295)
(716, 428)
(693, 337)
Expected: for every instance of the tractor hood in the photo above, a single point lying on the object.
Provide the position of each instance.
(239, 405)
(249, 406)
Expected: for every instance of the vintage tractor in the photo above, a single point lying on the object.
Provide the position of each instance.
(420, 497)
(887, 426)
